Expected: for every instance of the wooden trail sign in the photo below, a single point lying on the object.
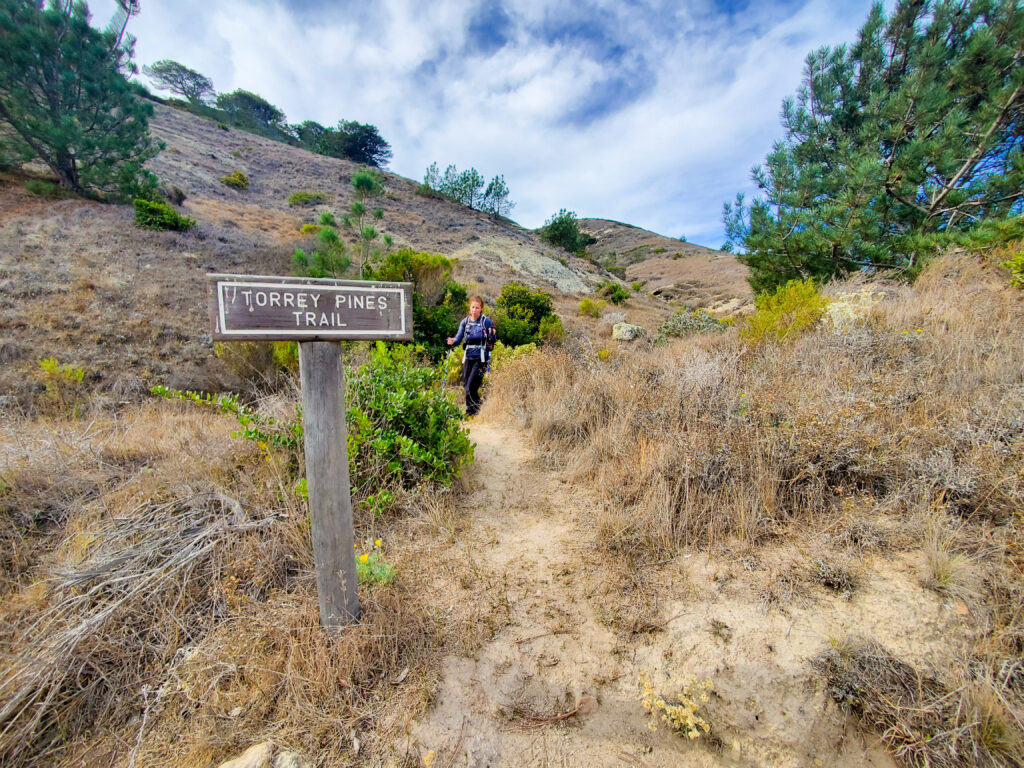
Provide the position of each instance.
(317, 313)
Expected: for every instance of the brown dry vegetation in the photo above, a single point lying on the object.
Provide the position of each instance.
(904, 429)
(160, 606)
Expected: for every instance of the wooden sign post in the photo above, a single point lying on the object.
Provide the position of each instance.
(318, 313)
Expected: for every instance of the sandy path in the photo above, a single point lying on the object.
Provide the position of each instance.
(544, 598)
(547, 650)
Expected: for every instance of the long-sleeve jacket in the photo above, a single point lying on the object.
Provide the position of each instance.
(477, 334)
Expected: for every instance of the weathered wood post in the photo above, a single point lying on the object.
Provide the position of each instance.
(318, 313)
(322, 378)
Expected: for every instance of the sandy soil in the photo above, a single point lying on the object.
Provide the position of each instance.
(745, 622)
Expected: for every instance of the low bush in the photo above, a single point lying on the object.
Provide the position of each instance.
(306, 198)
(402, 429)
(613, 291)
(438, 302)
(47, 189)
(520, 313)
(783, 313)
(685, 321)
(235, 180)
(64, 388)
(551, 330)
(155, 215)
(591, 308)
(331, 257)
(425, 190)
(1015, 264)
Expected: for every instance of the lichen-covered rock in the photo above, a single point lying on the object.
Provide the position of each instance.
(627, 332)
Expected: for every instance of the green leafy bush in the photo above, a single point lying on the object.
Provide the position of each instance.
(551, 330)
(520, 312)
(425, 190)
(47, 189)
(785, 312)
(306, 198)
(592, 308)
(401, 428)
(330, 259)
(613, 291)
(1016, 266)
(438, 302)
(64, 386)
(685, 322)
(156, 215)
(236, 180)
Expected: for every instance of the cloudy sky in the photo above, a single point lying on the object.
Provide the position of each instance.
(650, 112)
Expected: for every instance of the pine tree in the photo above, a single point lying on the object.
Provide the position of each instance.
(64, 98)
(171, 76)
(915, 128)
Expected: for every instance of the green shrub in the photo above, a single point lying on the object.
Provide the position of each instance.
(438, 302)
(425, 190)
(613, 291)
(785, 312)
(47, 189)
(551, 330)
(236, 180)
(592, 308)
(306, 198)
(286, 355)
(223, 126)
(685, 322)
(401, 428)
(520, 312)
(637, 286)
(64, 386)
(155, 215)
(1016, 266)
(330, 259)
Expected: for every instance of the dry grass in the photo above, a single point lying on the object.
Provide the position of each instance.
(901, 429)
(160, 605)
(915, 409)
(924, 720)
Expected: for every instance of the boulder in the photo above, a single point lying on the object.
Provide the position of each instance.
(627, 332)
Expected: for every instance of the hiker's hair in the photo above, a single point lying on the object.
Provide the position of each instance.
(476, 298)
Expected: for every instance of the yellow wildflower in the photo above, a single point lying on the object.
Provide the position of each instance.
(364, 557)
(376, 543)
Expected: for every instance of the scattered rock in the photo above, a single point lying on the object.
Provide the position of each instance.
(627, 332)
(256, 756)
(285, 758)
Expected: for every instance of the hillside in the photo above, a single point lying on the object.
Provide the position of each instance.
(674, 270)
(80, 282)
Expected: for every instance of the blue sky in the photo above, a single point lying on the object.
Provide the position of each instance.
(644, 111)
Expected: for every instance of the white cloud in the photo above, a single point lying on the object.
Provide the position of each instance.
(696, 107)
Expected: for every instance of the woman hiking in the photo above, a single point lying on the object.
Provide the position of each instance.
(477, 334)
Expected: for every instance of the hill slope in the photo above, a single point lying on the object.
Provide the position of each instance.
(80, 282)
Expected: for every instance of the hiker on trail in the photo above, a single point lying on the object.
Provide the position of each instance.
(477, 334)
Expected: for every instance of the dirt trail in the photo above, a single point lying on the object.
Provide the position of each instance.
(529, 541)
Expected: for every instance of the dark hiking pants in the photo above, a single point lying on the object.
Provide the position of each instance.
(472, 377)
